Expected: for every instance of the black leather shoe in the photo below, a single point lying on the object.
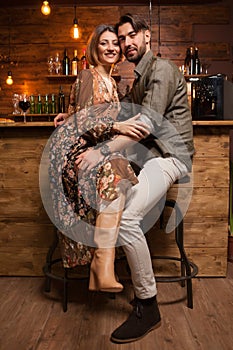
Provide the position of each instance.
(144, 318)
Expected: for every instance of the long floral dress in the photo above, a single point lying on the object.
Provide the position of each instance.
(76, 197)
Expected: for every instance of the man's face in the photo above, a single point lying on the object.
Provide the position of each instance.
(133, 45)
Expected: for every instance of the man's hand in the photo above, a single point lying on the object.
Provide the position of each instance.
(133, 128)
(60, 119)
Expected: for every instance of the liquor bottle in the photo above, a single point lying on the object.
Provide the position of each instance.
(53, 104)
(46, 104)
(187, 61)
(192, 61)
(39, 104)
(61, 101)
(84, 63)
(66, 64)
(197, 62)
(74, 63)
(32, 104)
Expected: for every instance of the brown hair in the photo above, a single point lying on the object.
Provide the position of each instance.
(93, 41)
(136, 22)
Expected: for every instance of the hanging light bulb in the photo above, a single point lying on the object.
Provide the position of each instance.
(75, 30)
(9, 79)
(45, 8)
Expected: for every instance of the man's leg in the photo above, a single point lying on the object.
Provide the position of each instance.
(156, 177)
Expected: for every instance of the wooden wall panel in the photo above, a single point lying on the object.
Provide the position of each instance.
(34, 37)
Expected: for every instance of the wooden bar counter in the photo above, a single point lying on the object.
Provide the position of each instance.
(26, 231)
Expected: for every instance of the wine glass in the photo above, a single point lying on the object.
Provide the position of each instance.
(15, 101)
(205, 66)
(50, 63)
(24, 104)
(57, 64)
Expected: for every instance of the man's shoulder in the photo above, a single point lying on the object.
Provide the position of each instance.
(165, 62)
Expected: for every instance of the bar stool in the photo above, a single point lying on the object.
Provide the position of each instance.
(188, 269)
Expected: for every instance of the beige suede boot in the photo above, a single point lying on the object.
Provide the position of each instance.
(102, 272)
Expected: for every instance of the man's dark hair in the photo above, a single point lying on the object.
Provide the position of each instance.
(136, 22)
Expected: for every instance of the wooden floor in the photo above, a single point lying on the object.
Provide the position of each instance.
(31, 319)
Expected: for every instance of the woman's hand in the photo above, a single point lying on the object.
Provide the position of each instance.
(88, 159)
(60, 119)
(133, 128)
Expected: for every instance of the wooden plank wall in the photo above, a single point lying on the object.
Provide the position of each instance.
(25, 229)
(34, 37)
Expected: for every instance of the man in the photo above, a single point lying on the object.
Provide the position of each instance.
(159, 87)
(164, 156)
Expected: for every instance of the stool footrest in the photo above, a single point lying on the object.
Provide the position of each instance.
(175, 278)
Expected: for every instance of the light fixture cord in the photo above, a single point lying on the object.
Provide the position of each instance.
(159, 33)
(150, 20)
(9, 36)
(75, 16)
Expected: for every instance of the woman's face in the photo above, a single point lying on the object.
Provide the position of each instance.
(108, 48)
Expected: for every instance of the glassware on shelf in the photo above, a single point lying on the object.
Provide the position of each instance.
(15, 101)
(24, 105)
(205, 66)
(51, 64)
(57, 64)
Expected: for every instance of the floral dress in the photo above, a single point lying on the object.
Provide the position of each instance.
(76, 197)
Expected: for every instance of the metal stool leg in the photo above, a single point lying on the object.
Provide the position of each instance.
(188, 268)
(48, 265)
(185, 264)
(50, 275)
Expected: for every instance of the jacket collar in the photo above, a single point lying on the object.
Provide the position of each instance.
(143, 64)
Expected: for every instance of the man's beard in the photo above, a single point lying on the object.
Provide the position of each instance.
(138, 54)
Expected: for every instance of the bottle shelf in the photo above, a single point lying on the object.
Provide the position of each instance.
(188, 76)
(64, 78)
(33, 117)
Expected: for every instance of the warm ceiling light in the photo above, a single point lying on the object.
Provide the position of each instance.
(9, 79)
(75, 30)
(45, 8)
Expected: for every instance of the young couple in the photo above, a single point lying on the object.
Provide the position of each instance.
(109, 197)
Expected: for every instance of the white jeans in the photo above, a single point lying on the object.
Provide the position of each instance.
(157, 175)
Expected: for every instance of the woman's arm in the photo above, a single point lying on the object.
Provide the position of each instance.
(89, 159)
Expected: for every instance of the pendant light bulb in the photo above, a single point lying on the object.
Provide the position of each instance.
(75, 31)
(45, 8)
(9, 79)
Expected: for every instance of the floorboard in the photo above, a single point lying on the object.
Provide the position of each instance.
(31, 319)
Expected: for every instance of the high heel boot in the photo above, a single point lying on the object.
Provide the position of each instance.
(102, 271)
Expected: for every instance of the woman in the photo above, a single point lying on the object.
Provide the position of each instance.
(98, 202)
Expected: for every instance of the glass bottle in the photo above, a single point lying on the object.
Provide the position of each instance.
(192, 61)
(66, 64)
(53, 104)
(39, 104)
(84, 63)
(74, 63)
(46, 104)
(197, 62)
(32, 104)
(187, 61)
(61, 101)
